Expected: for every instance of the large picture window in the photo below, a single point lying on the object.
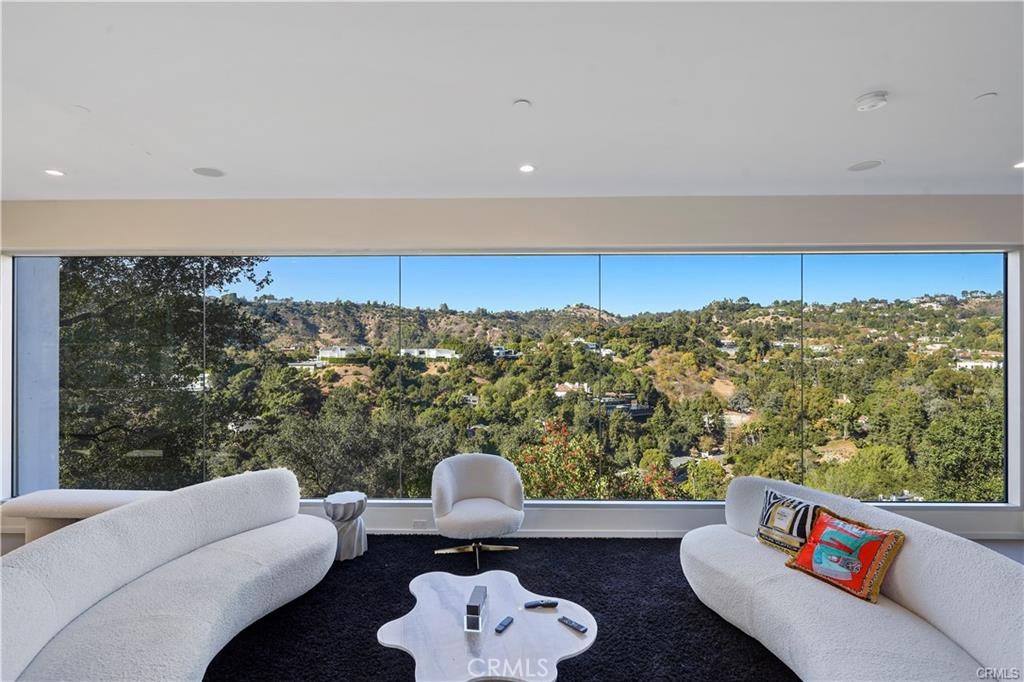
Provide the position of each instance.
(640, 377)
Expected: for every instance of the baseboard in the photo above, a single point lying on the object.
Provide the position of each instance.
(1008, 535)
(549, 533)
(570, 519)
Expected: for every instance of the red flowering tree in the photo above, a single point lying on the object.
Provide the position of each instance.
(562, 465)
(653, 482)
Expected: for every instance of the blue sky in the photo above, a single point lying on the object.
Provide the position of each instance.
(628, 284)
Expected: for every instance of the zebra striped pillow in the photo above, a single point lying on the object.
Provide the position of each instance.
(785, 521)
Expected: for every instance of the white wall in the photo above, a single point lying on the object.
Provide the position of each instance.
(410, 226)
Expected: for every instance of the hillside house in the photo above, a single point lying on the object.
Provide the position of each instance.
(472, 431)
(681, 461)
(564, 389)
(340, 351)
(625, 403)
(200, 384)
(978, 364)
(592, 347)
(501, 352)
(430, 353)
(310, 365)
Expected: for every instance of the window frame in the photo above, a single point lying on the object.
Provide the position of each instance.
(625, 518)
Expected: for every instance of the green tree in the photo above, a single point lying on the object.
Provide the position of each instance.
(740, 401)
(895, 416)
(329, 453)
(783, 465)
(655, 458)
(284, 392)
(139, 337)
(963, 454)
(476, 352)
(706, 479)
(878, 470)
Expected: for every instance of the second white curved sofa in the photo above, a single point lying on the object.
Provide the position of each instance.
(153, 590)
(949, 607)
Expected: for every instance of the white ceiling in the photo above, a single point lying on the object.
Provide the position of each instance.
(415, 100)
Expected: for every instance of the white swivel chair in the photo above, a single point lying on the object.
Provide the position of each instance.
(476, 496)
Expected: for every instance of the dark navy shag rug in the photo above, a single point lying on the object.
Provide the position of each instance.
(651, 626)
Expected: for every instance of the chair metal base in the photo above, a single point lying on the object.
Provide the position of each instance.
(476, 548)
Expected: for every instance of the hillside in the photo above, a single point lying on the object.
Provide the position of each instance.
(288, 323)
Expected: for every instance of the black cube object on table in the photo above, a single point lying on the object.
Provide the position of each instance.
(475, 609)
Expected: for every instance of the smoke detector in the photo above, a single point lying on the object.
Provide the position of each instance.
(872, 100)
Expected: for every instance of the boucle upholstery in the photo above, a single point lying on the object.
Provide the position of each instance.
(72, 503)
(479, 517)
(53, 583)
(949, 605)
(476, 495)
(170, 622)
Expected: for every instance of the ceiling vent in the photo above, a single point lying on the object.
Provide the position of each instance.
(865, 165)
(872, 100)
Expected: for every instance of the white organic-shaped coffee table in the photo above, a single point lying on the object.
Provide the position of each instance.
(530, 649)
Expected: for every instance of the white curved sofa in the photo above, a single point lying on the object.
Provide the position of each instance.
(948, 608)
(154, 589)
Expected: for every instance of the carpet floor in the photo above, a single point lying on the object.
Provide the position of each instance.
(651, 625)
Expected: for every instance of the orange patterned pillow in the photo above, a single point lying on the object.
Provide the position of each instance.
(848, 554)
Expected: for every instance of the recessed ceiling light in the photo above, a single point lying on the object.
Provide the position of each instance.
(1019, 165)
(54, 172)
(871, 101)
(208, 172)
(865, 165)
(526, 168)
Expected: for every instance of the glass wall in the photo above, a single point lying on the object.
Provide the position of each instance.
(905, 395)
(654, 377)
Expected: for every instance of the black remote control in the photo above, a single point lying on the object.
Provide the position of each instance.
(569, 622)
(541, 604)
(503, 625)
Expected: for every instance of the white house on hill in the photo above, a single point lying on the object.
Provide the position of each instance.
(592, 347)
(502, 352)
(310, 365)
(562, 390)
(431, 353)
(340, 351)
(978, 364)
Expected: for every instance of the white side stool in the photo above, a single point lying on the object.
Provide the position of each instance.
(345, 510)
